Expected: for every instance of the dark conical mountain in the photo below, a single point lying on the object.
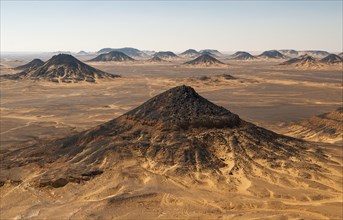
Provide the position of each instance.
(211, 52)
(82, 52)
(241, 55)
(133, 52)
(64, 68)
(177, 133)
(166, 55)
(189, 53)
(104, 50)
(290, 61)
(272, 54)
(112, 56)
(303, 61)
(182, 106)
(156, 59)
(31, 65)
(332, 59)
(316, 53)
(205, 60)
(289, 53)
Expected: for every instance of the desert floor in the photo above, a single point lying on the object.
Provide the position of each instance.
(264, 93)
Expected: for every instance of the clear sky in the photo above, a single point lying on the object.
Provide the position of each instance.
(171, 25)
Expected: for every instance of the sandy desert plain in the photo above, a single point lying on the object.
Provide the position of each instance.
(264, 93)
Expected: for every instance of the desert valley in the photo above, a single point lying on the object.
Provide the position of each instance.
(130, 134)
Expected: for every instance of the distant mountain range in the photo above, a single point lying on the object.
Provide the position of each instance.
(313, 53)
(309, 61)
(305, 61)
(112, 56)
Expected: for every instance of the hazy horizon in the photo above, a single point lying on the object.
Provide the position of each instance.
(223, 25)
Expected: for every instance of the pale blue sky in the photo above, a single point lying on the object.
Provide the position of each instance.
(171, 25)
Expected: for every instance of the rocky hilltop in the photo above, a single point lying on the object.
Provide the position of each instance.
(34, 64)
(156, 59)
(116, 56)
(304, 61)
(132, 52)
(241, 55)
(205, 60)
(272, 54)
(166, 55)
(82, 53)
(211, 52)
(332, 59)
(289, 53)
(63, 68)
(189, 53)
(313, 53)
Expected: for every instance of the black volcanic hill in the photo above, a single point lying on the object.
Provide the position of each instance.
(133, 52)
(166, 55)
(104, 50)
(211, 52)
(189, 53)
(205, 60)
(316, 53)
(112, 56)
(31, 65)
(289, 53)
(303, 61)
(272, 54)
(64, 68)
(183, 107)
(177, 133)
(82, 52)
(332, 59)
(241, 55)
(156, 59)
